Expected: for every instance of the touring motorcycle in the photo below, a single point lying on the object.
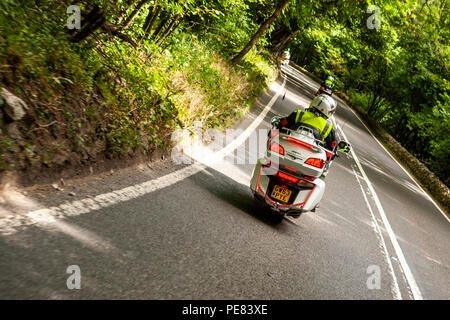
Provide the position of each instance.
(285, 57)
(324, 90)
(290, 178)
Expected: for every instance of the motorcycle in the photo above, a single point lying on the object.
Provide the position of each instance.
(289, 179)
(285, 59)
(324, 90)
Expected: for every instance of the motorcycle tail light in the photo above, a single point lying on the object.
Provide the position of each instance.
(299, 143)
(289, 168)
(287, 177)
(318, 163)
(309, 178)
(277, 148)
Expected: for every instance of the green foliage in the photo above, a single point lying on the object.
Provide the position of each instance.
(398, 73)
(224, 92)
(116, 94)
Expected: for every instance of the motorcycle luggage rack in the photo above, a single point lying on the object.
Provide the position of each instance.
(302, 130)
(308, 132)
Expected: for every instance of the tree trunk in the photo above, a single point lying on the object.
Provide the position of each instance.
(164, 19)
(124, 12)
(151, 18)
(93, 21)
(369, 61)
(133, 15)
(113, 30)
(168, 30)
(260, 32)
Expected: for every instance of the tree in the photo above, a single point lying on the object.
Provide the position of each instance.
(283, 4)
(135, 12)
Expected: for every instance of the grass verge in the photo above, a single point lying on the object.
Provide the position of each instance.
(103, 98)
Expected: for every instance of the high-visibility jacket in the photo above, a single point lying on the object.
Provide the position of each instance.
(311, 120)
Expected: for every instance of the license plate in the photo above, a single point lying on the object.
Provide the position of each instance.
(281, 194)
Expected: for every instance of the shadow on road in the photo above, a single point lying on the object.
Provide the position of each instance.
(238, 195)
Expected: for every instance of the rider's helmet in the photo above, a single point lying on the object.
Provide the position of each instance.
(324, 104)
(329, 82)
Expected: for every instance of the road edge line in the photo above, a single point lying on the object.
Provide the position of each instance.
(401, 166)
(396, 289)
(398, 251)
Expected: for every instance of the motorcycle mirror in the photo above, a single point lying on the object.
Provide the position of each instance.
(343, 146)
(275, 120)
(264, 161)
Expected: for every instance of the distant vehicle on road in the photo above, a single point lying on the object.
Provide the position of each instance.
(285, 57)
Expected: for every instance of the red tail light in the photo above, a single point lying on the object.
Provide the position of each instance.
(309, 178)
(276, 148)
(289, 168)
(323, 88)
(318, 163)
(299, 143)
(287, 177)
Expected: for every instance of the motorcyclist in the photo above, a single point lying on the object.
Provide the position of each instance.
(327, 85)
(285, 56)
(316, 117)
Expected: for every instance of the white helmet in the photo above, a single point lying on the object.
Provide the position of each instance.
(325, 104)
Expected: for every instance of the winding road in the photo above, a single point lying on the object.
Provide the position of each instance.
(192, 231)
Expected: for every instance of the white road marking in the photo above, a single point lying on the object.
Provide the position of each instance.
(394, 286)
(11, 223)
(407, 271)
(401, 166)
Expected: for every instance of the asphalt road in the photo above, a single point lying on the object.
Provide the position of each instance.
(194, 231)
